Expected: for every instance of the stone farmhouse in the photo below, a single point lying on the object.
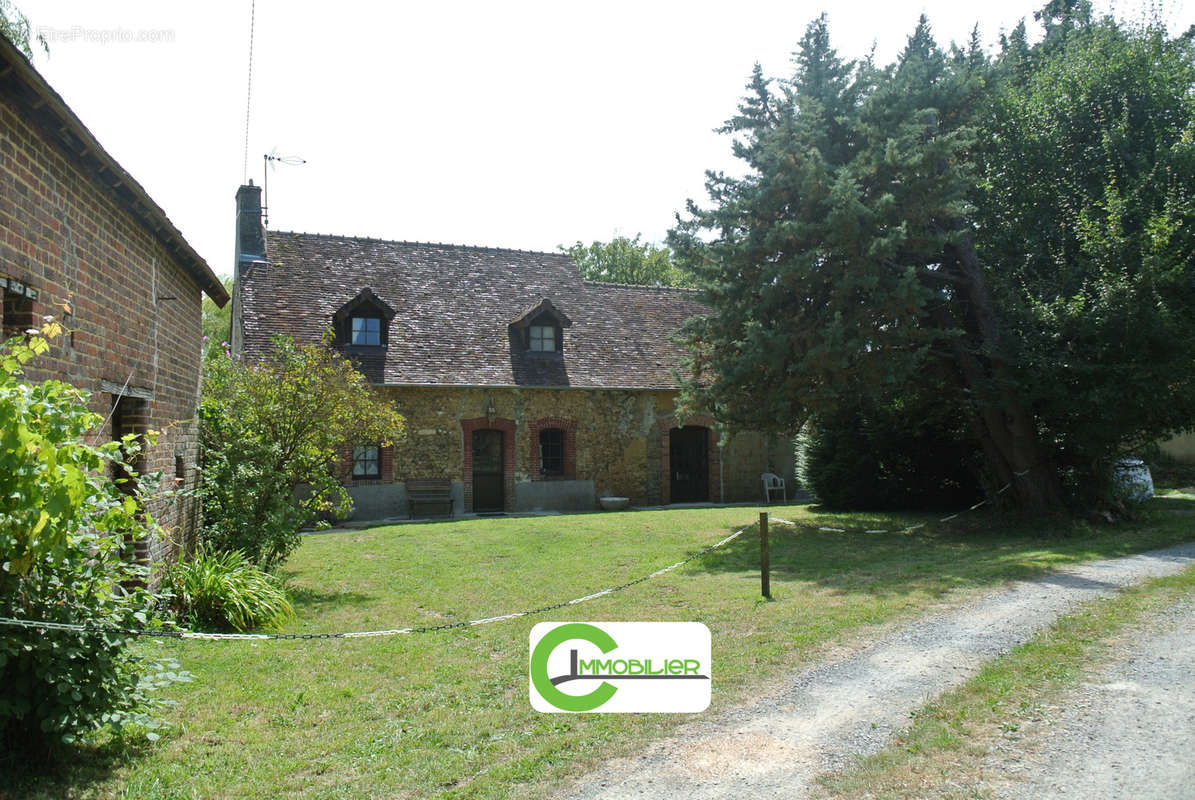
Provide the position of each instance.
(523, 385)
(82, 241)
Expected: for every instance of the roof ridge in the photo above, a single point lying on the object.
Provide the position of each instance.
(423, 244)
(73, 140)
(686, 289)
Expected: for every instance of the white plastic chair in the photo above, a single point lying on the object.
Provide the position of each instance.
(772, 483)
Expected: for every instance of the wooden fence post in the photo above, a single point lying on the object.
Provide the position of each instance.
(765, 565)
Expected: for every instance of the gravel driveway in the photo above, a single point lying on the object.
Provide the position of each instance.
(1127, 732)
(826, 715)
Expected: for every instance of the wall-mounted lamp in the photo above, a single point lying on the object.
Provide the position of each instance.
(490, 411)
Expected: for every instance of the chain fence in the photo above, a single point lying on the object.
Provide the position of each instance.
(43, 625)
(907, 528)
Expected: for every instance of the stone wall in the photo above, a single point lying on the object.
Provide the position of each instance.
(1181, 448)
(616, 443)
(132, 311)
(745, 457)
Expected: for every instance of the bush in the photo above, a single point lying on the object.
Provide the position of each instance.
(268, 428)
(224, 591)
(63, 528)
(897, 455)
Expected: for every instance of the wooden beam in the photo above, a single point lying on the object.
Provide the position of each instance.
(121, 390)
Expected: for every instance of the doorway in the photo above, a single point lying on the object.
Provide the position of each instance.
(689, 464)
(488, 479)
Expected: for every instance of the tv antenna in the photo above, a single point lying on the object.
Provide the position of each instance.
(269, 160)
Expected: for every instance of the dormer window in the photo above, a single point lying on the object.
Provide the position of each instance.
(366, 331)
(363, 322)
(543, 338)
(540, 329)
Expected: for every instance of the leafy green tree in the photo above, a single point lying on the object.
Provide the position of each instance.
(15, 27)
(63, 529)
(887, 229)
(268, 428)
(623, 260)
(217, 325)
(1086, 198)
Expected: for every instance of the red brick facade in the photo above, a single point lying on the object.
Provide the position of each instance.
(83, 248)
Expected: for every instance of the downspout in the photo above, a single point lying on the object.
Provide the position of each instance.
(721, 472)
(153, 262)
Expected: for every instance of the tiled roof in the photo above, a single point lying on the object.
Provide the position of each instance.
(454, 308)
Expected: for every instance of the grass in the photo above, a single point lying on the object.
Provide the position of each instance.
(943, 753)
(447, 713)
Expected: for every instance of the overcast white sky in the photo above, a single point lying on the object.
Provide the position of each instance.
(523, 125)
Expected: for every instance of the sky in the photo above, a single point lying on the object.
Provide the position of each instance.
(526, 125)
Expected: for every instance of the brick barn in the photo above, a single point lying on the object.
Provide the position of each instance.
(82, 241)
(523, 385)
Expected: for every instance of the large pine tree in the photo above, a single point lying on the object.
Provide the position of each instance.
(887, 231)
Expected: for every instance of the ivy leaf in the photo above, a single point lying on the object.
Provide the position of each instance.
(42, 519)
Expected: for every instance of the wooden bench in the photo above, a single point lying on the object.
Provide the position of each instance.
(433, 492)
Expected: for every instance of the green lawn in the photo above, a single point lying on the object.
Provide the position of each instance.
(447, 713)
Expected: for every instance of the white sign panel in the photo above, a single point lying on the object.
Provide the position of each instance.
(620, 667)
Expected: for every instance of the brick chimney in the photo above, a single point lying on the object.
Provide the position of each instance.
(250, 252)
(251, 236)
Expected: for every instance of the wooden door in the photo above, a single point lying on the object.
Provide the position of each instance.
(689, 463)
(488, 480)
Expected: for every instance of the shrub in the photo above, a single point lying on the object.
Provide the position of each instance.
(224, 591)
(271, 427)
(896, 455)
(63, 526)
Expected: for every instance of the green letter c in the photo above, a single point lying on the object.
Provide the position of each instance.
(539, 667)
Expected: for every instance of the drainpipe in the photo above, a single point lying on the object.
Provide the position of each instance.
(721, 473)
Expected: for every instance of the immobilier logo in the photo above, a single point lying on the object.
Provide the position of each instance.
(620, 667)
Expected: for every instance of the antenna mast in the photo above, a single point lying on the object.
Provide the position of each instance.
(268, 161)
(249, 90)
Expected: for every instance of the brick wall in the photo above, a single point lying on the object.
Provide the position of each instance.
(133, 312)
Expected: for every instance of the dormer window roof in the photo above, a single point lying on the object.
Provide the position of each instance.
(543, 308)
(541, 328)
(363, 321)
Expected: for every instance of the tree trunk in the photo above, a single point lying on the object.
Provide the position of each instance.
(1003, 424)
(1008, 436)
